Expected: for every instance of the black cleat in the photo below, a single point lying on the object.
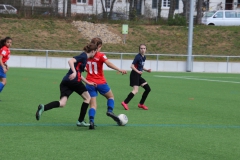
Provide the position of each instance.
(114, 117)
(39, 111)
(92, 126)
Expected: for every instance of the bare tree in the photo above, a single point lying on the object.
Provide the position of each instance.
(69, 8)
(199, 5)
(104, 7)
(132, 11)
(111, 7)
(171, 9)
(186, 8)
(159, 8)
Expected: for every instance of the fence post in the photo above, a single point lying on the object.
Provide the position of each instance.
(227, 63)
(157, 64)
(46, 58)
(121, 60)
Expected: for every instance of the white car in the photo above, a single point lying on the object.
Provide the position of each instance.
(222, 18)
(7, 9)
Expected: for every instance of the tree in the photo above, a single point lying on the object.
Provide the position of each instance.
(171, 9)
(159, 8)
(186, 8)
(69, 8)
(104, 7)
(199, 5)
(132, 13)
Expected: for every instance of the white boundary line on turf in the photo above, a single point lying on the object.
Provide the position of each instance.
(211, 77)
(181, 77)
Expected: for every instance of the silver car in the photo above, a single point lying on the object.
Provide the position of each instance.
(7, 9)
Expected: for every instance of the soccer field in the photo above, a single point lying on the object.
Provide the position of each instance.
(191, 116)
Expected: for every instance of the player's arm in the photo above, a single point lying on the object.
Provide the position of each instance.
(111, 65)
(147, 70)
(87, 82)
(2, 64)
(135, 69)
(71, 65)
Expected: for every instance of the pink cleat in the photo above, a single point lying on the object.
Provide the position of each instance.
(125, 105)
(142, 106)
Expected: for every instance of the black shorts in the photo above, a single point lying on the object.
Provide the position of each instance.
(68, 87)
(136, 79)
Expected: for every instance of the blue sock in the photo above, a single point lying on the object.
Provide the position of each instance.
(1, 87)
(91, 114)
(110, 104)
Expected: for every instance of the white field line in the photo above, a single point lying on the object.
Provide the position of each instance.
(211, 77)
(198, 79)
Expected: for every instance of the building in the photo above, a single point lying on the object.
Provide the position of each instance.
(148, 8)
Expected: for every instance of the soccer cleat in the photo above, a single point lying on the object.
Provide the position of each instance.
(82, 124)
(142, 106)
(125, 106)
(91, 125)
(39, 111)
(114, 117)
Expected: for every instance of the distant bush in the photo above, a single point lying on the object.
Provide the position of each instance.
(178, 20)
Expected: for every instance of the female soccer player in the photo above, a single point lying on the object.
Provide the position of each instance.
(136, 79)
(95, 74)
(72, 82)
(5, 44)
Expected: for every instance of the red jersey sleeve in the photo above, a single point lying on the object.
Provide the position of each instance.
(5, 53)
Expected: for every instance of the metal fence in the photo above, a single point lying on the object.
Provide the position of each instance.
(158, 58)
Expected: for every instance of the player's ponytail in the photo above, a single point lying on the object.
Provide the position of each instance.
(90, 47)
(97, 41)
(3, 41)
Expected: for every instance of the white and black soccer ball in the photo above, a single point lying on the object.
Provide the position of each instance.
(123, 118)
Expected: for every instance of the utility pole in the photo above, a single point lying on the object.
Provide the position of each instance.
(190, 38)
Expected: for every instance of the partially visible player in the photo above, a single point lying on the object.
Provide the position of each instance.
(136, 79)
(95, 74)
(72, 82)
(5, 45)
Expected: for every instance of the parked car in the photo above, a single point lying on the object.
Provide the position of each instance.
(114, 16)
(7, 9)
(222, 18)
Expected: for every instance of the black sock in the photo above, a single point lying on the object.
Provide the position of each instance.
(51, 105)
(83, 111)
(129, 97)
(145, 93)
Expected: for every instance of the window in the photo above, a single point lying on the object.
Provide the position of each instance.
(107, 5)
(219, 15)
(166, 3)
(230, 14)
(81, 1)
(46, 1)
(154, 4)
(2, 7)
(238, 14)
(238, 4)
(10, 8)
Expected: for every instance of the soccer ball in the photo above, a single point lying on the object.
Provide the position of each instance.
(123, 118)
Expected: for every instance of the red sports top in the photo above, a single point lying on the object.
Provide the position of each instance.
(5, 53)
(95, 68)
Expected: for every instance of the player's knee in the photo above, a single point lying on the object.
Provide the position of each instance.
(4, 82)
(135, 92)
(87, 99)
(147, 88)
(62, 104)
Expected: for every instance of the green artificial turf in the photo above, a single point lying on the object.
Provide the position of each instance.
(190, 116)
